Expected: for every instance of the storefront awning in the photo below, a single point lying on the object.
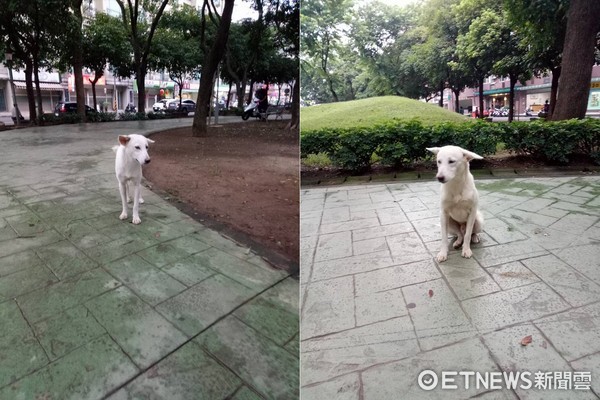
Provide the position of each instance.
(54, 87)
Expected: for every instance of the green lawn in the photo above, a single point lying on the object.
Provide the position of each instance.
(373, 111)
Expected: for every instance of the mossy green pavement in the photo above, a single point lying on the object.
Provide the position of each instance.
(93, 307)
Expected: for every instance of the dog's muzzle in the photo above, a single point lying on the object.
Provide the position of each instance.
(441, 179)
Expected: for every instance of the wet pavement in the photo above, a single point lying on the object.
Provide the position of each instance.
(93, 307)
(377, 309)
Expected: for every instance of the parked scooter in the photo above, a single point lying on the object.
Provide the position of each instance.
(251, 110)
(130, 108)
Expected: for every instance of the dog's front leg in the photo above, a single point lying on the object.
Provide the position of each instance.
(136, 204)
(443, 254)
(466, 249)
(123, 191)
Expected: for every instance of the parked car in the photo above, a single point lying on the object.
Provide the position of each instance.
(187, 106)
(160, 105)
(70, 107)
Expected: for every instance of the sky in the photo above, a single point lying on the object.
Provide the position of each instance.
(401, 3)
(241, 10)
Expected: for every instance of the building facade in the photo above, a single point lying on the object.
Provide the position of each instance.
(532, 95)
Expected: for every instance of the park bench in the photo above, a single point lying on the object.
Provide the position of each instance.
(272, 110)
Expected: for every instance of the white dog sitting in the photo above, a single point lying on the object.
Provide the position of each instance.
(459, 199)
(131, 155)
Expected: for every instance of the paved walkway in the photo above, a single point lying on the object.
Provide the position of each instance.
(93, 307)
(376, 309)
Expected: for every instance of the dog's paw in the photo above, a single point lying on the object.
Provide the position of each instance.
(128, 200)
(442, 256)
(475, 238)
(141, 201)
(123, 216)
(467, 253)
(457, 243)
(136, 220)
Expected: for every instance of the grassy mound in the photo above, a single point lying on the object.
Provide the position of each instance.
(373, 111)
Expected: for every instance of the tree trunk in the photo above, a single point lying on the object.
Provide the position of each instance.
(38, 92)
(30, 92)
(441, 100)
(228, 95)
(480, 83)
(583, 23)
(295, 121)
(93, 82)
(209, 69)
(456, 99)
(511, 98)
(554, 90)
(78, 60)
(333, 93)
(251, 92)
(140, 78)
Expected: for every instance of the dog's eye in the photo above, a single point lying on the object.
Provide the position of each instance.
(137, 147)
(439, 161)
(451, 161)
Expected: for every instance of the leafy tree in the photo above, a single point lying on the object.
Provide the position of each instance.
(140, 20)
(29, 34)
(75, 51)
(438, 56)
(541, 25)
(209, 68)
(239, 58)
(176, 46)
(384, 37)
(284, 15)
(510, 60)
(104, 42)
(322, 22)
(583, 25)
(477, 50)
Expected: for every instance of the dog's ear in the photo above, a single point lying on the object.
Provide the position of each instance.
(434, 150)
(469, 155)
(124, 140)
(150, 140)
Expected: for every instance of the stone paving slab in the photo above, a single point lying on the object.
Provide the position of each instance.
(92, 307)
(377, 309)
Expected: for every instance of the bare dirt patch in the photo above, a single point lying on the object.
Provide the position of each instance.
(242, 178)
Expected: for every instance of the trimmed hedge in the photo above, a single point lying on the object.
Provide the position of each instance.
(402, 143)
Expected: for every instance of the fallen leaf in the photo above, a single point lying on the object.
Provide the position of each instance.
(526, 340)
(430, 293)
(411, 305)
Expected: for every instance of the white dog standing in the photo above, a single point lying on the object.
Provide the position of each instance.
(459, 199)
(131, 155)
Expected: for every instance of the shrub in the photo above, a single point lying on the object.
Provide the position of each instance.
(70, 118)
(317, 160)
(354, 148)
(393, 141)
(132, 116)
(400, 143)
(320, 141)
(50, 118)
(153, 115)
(101, 117)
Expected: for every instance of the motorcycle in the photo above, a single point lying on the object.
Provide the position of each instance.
(130, 108)
(251, 110)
